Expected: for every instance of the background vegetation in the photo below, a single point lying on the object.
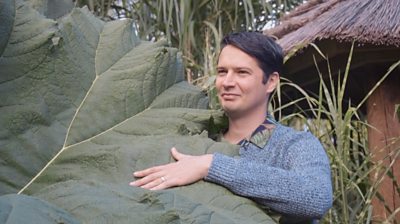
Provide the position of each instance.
(343, 132)
(196, 27)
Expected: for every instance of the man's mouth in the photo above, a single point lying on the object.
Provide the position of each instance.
(229, 96)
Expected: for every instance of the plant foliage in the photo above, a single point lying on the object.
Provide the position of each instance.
(84, 104)
(193, 26)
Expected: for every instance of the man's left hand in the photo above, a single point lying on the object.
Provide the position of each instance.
(186, 170)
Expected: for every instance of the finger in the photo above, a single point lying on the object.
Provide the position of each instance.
(177, 155)
(146, 172)
(145, 180)
(161, 186)
(154, 183)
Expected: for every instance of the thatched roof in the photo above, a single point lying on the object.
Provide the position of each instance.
(374, 22)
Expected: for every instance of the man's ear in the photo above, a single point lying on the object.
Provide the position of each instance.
(273, 81)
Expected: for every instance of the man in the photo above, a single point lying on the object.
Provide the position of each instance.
(278, 167)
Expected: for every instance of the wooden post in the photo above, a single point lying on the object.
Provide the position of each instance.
(383, 141)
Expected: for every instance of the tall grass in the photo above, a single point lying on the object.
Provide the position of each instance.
(343, 132)
(194, 26)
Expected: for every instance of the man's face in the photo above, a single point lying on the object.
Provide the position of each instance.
(239, 83)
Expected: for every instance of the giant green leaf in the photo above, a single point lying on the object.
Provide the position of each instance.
(25, 209)
(85, 103)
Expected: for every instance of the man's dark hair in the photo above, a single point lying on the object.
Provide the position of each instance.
(264, 49)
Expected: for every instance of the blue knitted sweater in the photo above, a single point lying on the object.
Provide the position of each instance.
(290, 173)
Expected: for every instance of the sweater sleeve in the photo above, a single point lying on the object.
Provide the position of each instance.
(302, 189)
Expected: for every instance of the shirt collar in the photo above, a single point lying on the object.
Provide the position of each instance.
(262, 134)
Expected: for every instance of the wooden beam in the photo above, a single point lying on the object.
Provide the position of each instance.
(384, 143)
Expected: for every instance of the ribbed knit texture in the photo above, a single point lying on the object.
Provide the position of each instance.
(290, 175)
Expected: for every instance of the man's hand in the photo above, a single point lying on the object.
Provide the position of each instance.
(186, 170)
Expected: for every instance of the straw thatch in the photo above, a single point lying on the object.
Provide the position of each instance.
(374, 22)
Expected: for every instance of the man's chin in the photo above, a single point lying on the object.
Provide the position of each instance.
(231, 111)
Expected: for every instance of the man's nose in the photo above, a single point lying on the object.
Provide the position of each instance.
(229, 80)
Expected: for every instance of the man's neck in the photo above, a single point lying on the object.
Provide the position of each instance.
(242, 127)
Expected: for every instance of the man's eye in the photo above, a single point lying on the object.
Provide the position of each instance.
(221, 72)
(243, 72)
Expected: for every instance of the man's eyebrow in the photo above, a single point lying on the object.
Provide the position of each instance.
(243, 68)
(221, 67)
(236, 68)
